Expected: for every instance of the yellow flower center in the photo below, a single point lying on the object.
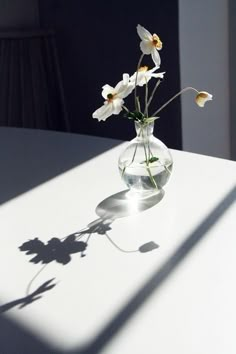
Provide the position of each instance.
(143, 69)
(157, 43)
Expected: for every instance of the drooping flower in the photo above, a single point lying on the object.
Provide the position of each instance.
(114, 98)
(150, 44)
(202, 97)
(144, 75)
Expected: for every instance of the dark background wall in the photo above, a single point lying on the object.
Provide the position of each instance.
(19, 14)
(97, 42)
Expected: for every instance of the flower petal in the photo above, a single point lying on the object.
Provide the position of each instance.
(104, 112)
(119, 87)
(144, 34)
(107, 89)
(117, 105)
(125, 79)
(124, 87)
(143, 78)
(161, 75)
(127, 91)
(144, 81)
(122, 84)
(154, 69)
(202, 97)
(146, 47)
(155, 57)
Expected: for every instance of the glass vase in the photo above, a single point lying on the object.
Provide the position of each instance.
(146, 164)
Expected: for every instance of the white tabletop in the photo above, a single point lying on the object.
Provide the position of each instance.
(177, 298)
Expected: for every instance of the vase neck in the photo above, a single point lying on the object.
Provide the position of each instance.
(144, 131)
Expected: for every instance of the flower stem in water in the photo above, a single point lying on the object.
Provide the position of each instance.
(147, 164)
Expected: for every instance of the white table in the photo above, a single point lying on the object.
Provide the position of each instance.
(177, 298)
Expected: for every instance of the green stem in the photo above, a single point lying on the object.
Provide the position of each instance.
(153, 92)
(146, 100)
(149, 151)
(147, 163)
(167, 169)
(172, 98)
(138, 104)
(125, 108)
(136, 79)
(135, 151)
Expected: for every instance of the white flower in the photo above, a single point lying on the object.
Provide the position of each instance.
(150, 44)
(202, 97)
(144, 75)
(114, 98)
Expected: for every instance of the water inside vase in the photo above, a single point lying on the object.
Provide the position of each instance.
(141, 178)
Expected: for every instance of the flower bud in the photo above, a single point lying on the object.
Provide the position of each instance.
(202, 97)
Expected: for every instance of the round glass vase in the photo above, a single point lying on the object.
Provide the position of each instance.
(146, 163)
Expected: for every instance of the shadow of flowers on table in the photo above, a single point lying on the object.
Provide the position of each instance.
(54, 250)
(114, 207)
(60, 250)
(30, 298)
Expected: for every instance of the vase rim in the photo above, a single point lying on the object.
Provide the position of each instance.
(144, 124)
